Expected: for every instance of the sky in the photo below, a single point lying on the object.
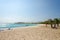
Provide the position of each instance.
(28, 10)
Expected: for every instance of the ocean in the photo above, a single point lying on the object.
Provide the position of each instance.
(11, 25)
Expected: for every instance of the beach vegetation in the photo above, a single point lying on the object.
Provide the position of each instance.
(53, 22)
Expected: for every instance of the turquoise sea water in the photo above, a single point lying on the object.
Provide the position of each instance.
(4, 26)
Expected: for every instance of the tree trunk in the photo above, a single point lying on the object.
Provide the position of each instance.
(55, 26)
(51, 26)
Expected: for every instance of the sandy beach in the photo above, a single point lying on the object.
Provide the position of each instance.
(39, 32)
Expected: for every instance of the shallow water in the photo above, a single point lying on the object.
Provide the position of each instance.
(6, 26)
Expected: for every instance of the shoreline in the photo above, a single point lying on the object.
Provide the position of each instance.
(4, 29)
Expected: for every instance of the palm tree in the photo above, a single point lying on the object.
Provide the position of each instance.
(59, 20)
(56, 22)
(51, 22)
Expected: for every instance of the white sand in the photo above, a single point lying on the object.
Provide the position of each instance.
(39, 32)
